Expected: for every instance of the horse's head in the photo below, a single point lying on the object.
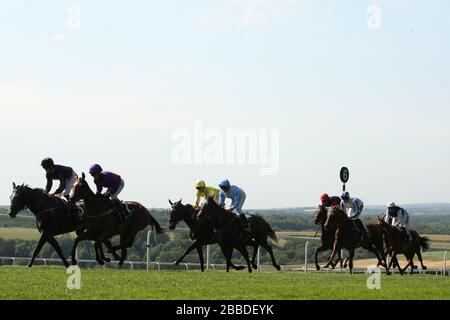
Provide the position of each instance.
(211, 211)
(80, 189)
(383, 223)
(320, 217)
(18, 200)
(335, 216)
(176, 213)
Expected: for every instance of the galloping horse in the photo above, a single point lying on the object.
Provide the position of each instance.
(327, 237)
(231, 235)
(347, 237)
(51, 216)
(102, 224)
(398, 244)
(201, 232)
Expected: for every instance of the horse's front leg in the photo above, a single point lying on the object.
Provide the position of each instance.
(333, 254)
(316, 256)
(111, 250)
(82, 237)
(339, 259)
(98, 258)
(42, 241)
(193, 246)
(102, 254)
(395, 261)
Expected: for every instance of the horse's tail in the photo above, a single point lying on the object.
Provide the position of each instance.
(424, 243)
(272, 235)
(155, 224)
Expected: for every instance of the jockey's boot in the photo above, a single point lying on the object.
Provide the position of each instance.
(117, 206)
(407, 235)
(244, 221)
(362, 229)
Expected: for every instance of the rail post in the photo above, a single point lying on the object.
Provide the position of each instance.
(259, 259)
(149, 234)
(445, 263)
(13, 261)
(207, 257)
(306, 256)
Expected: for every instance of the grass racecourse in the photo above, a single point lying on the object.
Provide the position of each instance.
(106, 284)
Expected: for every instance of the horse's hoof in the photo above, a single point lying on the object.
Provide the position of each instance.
(254, 266)
(176, 263)
(250, 270)
(107, 260)
(318, 268)
(424, 268)
(278, 267)
(239, 268)
(74, 262)
(30, 265)
(101, 262)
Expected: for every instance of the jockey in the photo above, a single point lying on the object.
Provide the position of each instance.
(354, 207)
(204, 192)
(326, 201)
(105, 179)
(66, 176)
(398, 217)
(237, 195)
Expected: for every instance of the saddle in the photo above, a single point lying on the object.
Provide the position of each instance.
(122, 211)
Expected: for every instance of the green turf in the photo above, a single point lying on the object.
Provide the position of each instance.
(19, 233)
(50, 283)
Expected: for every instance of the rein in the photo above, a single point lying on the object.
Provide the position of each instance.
(99, 216)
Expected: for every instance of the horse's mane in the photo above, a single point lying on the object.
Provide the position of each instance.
(38, 191)
(337, 209)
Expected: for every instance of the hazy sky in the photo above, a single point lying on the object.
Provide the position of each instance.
(364, 84)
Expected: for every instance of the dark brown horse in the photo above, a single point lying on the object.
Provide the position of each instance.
(52, 216)
(102, 224)
(347, 237)
(201, 232)
(231, 235)
(398, 244)
(327, 237)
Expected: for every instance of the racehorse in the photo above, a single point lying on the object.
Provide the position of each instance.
(201, 232)
(347, 237)
(102, 224)
(399, 244)
(231, 235)
(327, 237)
